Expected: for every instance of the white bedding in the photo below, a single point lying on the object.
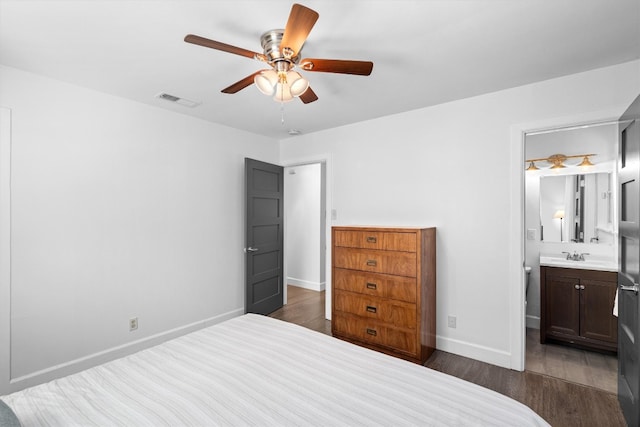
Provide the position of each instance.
(255, 370)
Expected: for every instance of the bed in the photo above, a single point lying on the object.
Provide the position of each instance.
(255, 370)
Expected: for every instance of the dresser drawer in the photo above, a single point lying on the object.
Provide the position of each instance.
(376, 284)
(396, 313)
(374, 332)
(396, 263)
(382, 240)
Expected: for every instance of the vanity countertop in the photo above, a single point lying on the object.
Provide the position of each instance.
(590, 263)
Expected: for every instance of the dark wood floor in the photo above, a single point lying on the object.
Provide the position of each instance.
(599, 370)
(561, 403)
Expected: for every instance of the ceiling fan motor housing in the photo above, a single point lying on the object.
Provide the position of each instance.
(270, 42)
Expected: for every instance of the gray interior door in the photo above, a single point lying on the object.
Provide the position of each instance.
(264, 237)
(629, 265)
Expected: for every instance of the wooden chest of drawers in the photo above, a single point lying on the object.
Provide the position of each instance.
(384, 289)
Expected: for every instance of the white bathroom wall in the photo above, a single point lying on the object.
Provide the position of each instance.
(118, 210)
(449, 166)
(303, 212)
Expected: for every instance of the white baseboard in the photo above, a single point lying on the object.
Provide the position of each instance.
(101, 357)
(533, 322)
(474, 351)
(306, 284)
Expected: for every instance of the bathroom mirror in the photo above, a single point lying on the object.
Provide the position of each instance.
(576, 208)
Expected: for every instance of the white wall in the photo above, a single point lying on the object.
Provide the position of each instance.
(450, 166)
(302, 203)
(118, 210)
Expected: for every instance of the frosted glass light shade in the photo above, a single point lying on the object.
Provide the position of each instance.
(266, 82)
(283, 93)
(297, 84)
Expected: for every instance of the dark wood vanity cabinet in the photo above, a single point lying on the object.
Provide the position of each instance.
(576, 307)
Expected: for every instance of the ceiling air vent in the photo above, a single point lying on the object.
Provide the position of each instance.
(177, 100)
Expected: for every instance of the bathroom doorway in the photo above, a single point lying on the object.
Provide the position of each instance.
(305, 226)
(570, 210)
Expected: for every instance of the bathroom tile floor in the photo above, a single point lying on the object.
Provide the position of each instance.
(579, 366)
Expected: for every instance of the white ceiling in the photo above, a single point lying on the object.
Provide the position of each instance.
(425, 52)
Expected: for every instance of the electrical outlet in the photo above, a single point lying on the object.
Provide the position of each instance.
(452, 322)
(133, 324)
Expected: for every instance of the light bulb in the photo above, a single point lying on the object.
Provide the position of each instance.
(283, 93)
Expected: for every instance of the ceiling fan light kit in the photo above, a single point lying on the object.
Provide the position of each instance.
(281, 50)
(283, 86)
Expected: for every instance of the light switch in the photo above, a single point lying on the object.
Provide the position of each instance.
(531, 234)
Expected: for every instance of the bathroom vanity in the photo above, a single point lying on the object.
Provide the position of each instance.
(576, 303)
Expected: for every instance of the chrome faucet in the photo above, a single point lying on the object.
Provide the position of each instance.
(576, 256)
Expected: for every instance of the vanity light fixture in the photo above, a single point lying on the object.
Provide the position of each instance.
(557, 161)
(585, 162)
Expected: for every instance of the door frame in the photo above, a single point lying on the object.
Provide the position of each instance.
(5, 251)
(324, 159)
(516, 275)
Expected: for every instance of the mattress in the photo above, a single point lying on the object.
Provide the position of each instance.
(255, 370)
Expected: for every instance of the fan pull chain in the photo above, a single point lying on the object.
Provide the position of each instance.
(282, 113)
(282, 104)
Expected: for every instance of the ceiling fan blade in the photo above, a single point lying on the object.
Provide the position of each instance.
(301, 21)
(201, 41)
(308, 96)
(239, 85)
(360, 68)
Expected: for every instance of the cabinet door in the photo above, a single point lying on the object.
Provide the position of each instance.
(562, 305)
(596, 310)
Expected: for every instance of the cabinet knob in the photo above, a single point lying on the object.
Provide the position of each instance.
(581, 286)
(576, 286)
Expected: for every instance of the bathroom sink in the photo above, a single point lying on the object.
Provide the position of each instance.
(590, 263)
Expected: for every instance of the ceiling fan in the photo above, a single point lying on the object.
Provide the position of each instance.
(282, 52)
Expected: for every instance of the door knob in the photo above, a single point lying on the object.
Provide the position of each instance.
(250, 249)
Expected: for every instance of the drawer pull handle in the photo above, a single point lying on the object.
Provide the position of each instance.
(372, 262)
(372, 332)
(372, 309)
(371, 239)
(372, 286)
